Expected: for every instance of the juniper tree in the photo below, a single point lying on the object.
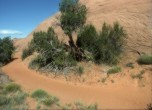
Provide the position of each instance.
(73, 17)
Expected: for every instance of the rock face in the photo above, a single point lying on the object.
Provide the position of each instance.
(134, 15)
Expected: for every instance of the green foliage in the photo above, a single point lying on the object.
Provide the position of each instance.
(87, 38)
(3, 100)
(131, 65)
(114, 70)
(73, 15)
(37, 62)
(80, 70)
(12, 87)
(110, 44)
(6, 50)
(13, 98)
(51, 52)
(26, 53)
(105, 47)
(42, 40)
(43, 97)
(145, 59)
(80, 106)
(50, 100)
(39, 94)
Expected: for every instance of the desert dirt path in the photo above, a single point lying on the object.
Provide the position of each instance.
(111, 97)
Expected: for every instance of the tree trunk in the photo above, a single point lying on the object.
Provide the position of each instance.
(71, 42)
(74, 49)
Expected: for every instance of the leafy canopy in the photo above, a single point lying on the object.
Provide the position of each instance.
(87, 37)
(73, 15)
(109, 45)
(6, 50)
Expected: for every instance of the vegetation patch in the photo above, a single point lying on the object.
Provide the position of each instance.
(52, 55)
(12, 87)
(106, 46)
(80, 70)
(109, 45)
(26, 53)
(131, 65)
(39, 94)
(80, 106)
(87, 38)
(145, 59)
(6, 50)
(12, 98)
(43, 97)
(114, 70)
(50, 100)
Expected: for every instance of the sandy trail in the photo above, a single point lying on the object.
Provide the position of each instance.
(111, 97)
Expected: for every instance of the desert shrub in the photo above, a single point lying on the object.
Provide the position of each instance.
(44, 98)
(42, 40)
(12, 98)
(26, 53)
(80, 70)
(19, 97)
(50, 100)
(51, 62)
(131, 65)
(52, 55)
(87, 38)
(37, 62)
(3, 100)
(39, 94)
(12, 87)
(145, 59)
(80, 106)
(6, 50)
(109, 45)
(114, 70)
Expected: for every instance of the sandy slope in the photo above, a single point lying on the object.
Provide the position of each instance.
(112, 96)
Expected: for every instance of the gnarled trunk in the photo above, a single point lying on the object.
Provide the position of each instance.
(75, 50)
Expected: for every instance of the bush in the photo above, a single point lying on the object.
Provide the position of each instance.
(37, 62)
(6, 50)
(80, 70)
(87, 38)
(52, 55)
(109, 44)
(131, 65)
(26, 53)
(39, 94)
(50, 100)
(3, 100)
(12, 98)
(145, 59)
(44, 97)
(12, 87)
(80, 106)
(114, 70)
(19, 97)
